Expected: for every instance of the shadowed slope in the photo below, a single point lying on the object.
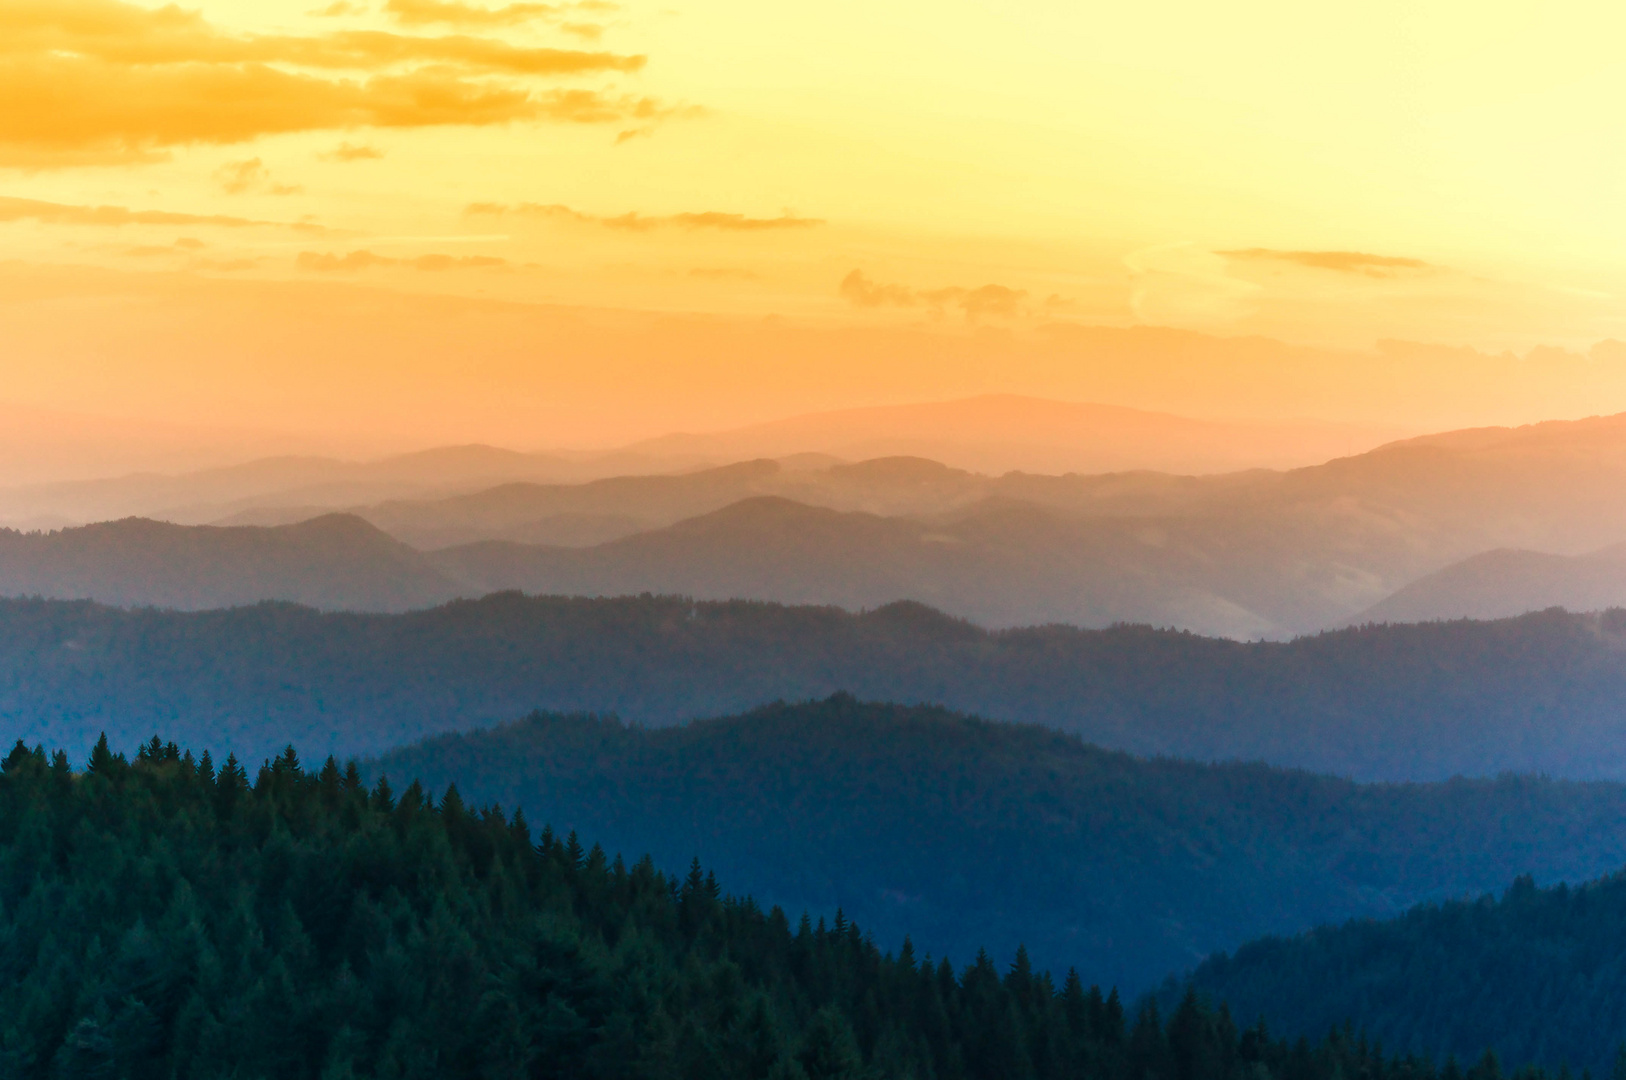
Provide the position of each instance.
(1534, 975)
(965, 833)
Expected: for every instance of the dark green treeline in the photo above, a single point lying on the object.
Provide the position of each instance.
(160, 918)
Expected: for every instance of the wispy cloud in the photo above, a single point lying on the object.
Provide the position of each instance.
(328, 262)
(999, 300)
(99, 81)
(1343, 262)
(456, 13)
(51, 213)
(240, 177)
(442, 12)
(635, 222)
(347, 152)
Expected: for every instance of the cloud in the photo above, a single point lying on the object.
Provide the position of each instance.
(340, 7)
(121, 33)
(862, 292)
(327, 262)
(988, 300)
(1000, 300)
(635, 222)
(347, 152)
(427, 12)
(100, 81)
(182, 248)
(453, 13)
(239, 177)
(50, 213)
(1343, 262)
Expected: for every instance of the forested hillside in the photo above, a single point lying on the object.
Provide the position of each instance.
(164, 919)
(1536, 974)
(1538, 693)
(971, 834)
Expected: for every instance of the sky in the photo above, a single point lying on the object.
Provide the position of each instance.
(390, 223)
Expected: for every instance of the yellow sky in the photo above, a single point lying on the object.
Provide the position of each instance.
(954, 187)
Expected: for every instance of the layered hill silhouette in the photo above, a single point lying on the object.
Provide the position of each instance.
(1249, 554)
(990, 434)
(1540, 693)
(335, 562)
(965, 834)
(1506, 582)
(1000, 565)
(1533, 975)
(281, 490)
(1252, 554)
(999, 433)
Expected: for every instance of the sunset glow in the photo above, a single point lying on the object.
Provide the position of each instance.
(581, 223)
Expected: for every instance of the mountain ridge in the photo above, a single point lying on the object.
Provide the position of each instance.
(1539, 693)
(333, 561)
(1507, 581)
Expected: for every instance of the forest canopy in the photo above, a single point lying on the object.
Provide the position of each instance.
(165, 917)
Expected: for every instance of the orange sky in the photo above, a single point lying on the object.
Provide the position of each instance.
(395, 222)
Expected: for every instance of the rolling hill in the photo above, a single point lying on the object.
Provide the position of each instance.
(332, 562)
(1000, 433)
(1505, 582)
(989, 434)
(304, 925)
(1533, 975)
(964, 833)
(1540, 693)
(284, 488)
(999, 565)
(1250, 554)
